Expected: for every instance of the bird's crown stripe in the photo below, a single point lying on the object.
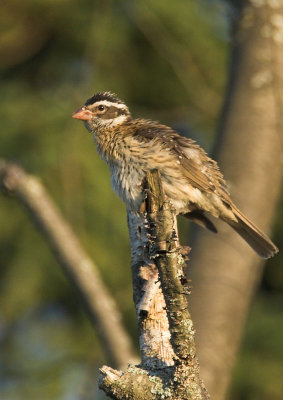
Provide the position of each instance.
(110, 103)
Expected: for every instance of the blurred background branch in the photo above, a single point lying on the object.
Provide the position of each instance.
(249, 150)
(77, 265)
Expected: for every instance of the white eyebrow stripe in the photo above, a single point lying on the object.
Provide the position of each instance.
(109, 104)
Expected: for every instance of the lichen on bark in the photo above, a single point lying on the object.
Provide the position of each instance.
(169, 367)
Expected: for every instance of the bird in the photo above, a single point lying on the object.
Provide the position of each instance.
(191, 180)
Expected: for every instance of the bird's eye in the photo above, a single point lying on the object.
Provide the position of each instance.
(101, 107)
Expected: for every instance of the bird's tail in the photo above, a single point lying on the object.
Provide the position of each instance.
(259, 242)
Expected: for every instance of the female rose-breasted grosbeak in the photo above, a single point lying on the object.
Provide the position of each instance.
(191, 180)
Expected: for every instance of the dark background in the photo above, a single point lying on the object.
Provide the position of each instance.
(168, 61)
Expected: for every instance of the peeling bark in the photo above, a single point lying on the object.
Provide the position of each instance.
(169, 367)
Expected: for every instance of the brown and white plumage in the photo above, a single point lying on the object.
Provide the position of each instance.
(191, 180)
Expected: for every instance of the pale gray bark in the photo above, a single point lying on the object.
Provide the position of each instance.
(225, 271)
(154, 334)
(169, 367)
(78, 266)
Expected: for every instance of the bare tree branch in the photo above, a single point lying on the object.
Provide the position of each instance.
(169, 367)
(78, 266)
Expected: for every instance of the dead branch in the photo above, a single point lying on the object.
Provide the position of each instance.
(169, 367)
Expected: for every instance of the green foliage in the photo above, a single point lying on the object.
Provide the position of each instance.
(168, 61)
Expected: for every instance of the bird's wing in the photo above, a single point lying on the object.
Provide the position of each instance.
(201, 171)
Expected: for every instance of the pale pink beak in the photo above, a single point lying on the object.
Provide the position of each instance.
(83, 114)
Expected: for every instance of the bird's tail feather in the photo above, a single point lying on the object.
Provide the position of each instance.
(261, 243)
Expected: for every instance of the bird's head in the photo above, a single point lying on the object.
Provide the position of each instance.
(103, 110)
